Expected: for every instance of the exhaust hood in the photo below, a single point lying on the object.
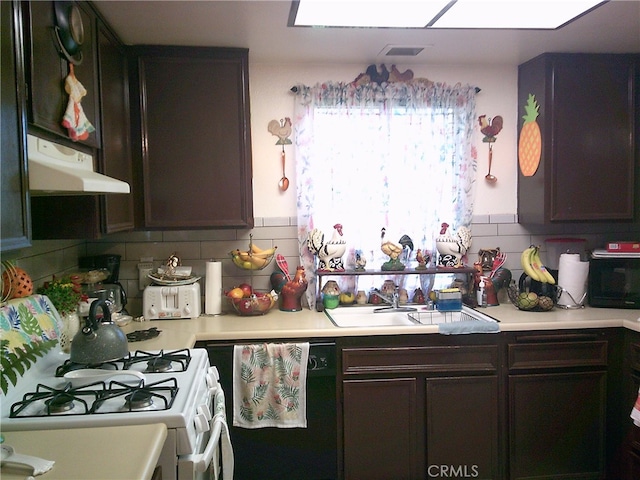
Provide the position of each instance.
(56, 169)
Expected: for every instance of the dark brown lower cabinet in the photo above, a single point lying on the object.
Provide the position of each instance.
(423, 410)
(557, 406)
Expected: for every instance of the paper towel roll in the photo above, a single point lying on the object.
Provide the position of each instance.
(213, 292)
(572, 277)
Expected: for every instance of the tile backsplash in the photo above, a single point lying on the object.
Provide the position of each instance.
(196, 247)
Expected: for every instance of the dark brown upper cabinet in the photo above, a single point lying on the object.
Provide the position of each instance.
(15, 230)
(56, 217)
(115, 156)
(48, 68)
(587, 119)
(195, 137)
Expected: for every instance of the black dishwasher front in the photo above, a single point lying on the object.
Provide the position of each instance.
(285, 453)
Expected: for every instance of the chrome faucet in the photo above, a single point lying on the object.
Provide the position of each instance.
(393, 301)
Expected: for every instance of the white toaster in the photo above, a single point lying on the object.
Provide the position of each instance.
(171, 302)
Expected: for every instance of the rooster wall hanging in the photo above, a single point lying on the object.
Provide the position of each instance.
(490, 128)
(282, 130)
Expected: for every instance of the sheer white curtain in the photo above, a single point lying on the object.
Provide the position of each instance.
(397, 155)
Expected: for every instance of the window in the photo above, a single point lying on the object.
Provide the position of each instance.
(397, 156)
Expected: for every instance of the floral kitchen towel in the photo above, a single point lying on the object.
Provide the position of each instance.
(269, 385)
(635, 412)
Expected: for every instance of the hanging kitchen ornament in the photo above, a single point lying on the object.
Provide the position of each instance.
(74, 119)
(490, 128)
(282, 130)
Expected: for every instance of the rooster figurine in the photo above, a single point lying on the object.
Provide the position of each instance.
(329, 253)
(452, 247)
(281, 129)
(393, 250)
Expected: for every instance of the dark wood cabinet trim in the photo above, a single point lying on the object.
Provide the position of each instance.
(473, 359)
(557, 355)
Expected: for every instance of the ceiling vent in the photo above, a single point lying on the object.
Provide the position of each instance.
(403, 50)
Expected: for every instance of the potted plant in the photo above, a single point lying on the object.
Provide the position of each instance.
(65, 293)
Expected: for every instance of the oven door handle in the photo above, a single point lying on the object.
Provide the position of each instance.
(218, 441)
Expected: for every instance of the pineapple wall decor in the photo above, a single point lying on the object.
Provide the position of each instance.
(530, 142)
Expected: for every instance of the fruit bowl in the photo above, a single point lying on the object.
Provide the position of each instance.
(258, 303)
(248, 260)
(529, 301)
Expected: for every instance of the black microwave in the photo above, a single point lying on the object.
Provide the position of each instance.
(614, 282)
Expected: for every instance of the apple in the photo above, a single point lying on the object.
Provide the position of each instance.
(236, 293)
(246, 289)
(245, 306)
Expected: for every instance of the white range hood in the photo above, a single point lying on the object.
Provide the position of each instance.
(55, 169)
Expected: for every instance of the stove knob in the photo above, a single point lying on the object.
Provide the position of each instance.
(204, 410)
(201, 423)
(212, 378)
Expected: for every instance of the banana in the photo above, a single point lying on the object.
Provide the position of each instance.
(540, 269)
(258, 263)
(525, 261)
(260, 253)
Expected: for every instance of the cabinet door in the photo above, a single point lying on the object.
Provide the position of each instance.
(196, 138)
(586, 118)
(381, 437)
(462, 427)
(115, 155)
(15, 229)
(48, 70)
(557, 425)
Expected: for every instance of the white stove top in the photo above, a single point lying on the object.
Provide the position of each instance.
(171, 397)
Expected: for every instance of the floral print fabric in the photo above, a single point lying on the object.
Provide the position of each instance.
(29, 327)
(269, 385)
(397, 155)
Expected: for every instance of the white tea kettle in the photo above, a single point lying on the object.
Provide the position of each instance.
(99, 341)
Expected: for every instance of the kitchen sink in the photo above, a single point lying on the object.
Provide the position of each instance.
(366, 316)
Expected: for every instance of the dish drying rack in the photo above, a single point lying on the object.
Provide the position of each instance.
(435, 317)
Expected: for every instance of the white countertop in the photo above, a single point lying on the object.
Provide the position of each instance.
(311, 324)
(105, 453)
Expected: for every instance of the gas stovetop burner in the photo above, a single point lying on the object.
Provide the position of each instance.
(142, 397)
(140, 335)
(177, 361)
(47, 401)
(69, 366)
(60, 404)
(138, 400)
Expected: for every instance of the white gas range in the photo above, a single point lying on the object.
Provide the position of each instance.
(179, 389)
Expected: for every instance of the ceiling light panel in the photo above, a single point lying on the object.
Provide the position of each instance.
(513, 14)
(368, 13)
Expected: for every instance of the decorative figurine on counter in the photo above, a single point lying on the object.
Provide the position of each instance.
(452, 247)
(292, 292)
(423, 257)
(394, 250)
(329, 252)
(487, 256)
(418, 296)
(331, 294)
(360, 260)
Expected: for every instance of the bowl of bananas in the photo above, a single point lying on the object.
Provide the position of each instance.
(254, 258)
